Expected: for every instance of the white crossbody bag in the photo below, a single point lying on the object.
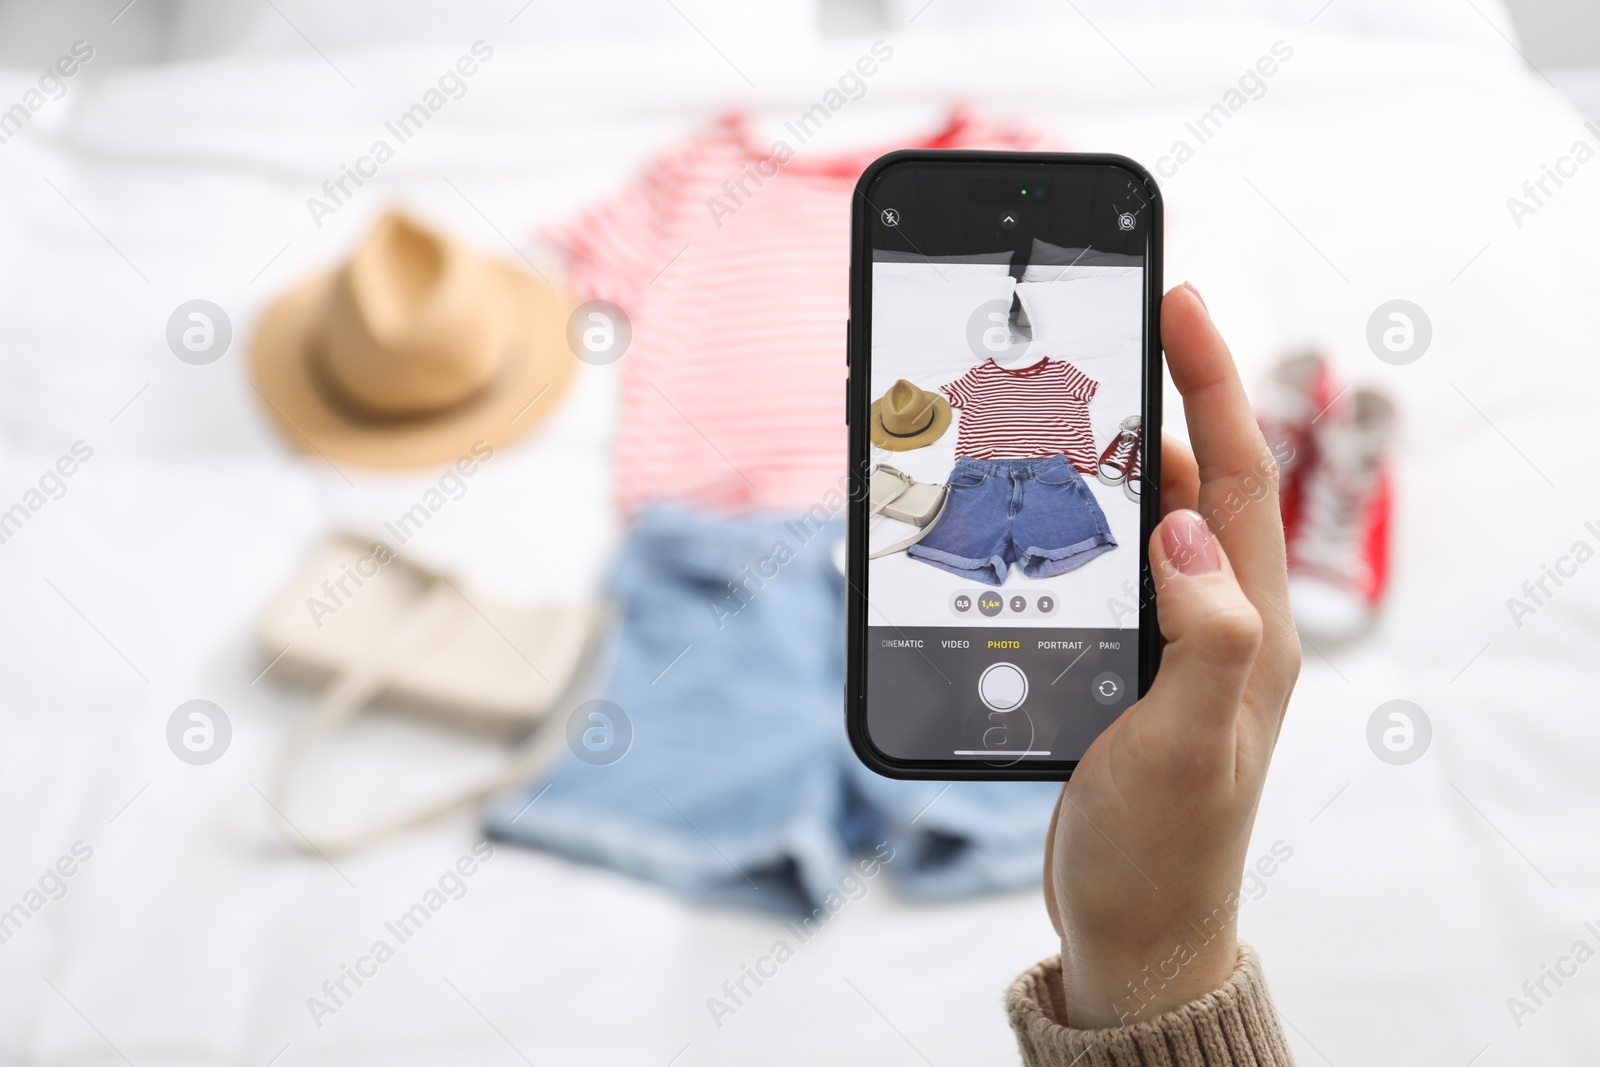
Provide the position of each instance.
(390, 631)
(896, 495)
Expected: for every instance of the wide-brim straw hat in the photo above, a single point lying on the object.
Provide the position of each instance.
(414, 353)
(907, 417)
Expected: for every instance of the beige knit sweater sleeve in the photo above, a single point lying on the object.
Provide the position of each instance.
(1235, 1026)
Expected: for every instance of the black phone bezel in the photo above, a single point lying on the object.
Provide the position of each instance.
(858, 402)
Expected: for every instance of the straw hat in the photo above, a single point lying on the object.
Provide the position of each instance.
(411, 352)
(907, 417)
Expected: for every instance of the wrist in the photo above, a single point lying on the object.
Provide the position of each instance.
(1110, 986)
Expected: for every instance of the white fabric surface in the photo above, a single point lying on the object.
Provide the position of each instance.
(1084, 314)
(926, 306)
(1418, 898)
(230, 27)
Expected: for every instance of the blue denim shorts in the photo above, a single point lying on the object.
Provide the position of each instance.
(1033, 512)
(738, 784)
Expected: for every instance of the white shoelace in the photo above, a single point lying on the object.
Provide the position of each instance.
(1330, 534)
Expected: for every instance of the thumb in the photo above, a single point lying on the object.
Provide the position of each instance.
(1213, 631)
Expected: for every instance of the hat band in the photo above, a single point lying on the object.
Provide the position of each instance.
(328, 384)
(933, 413)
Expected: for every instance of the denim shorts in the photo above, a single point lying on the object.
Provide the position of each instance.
(1033, 512)
(737, 784)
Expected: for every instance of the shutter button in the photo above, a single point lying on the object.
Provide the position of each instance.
(1002, 687)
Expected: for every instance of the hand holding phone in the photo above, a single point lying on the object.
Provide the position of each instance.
(1145, 854)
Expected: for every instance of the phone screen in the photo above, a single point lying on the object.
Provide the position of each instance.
(1008, 373)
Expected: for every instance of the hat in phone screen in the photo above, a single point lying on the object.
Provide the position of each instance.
(908, 417)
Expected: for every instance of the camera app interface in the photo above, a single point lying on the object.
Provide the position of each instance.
(1006, 370)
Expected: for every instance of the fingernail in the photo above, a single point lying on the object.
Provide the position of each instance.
(1188, 541)
(1190, 286)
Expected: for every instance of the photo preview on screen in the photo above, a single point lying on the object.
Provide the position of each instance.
(1007, 372)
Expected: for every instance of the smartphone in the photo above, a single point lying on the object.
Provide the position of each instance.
(1004, 411)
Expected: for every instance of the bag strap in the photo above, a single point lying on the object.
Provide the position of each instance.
(906, 482)
(352, 689)
(901, 546)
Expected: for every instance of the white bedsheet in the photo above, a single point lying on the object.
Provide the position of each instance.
(1417, 899)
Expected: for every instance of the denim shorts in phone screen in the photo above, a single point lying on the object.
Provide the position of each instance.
(1033, 512)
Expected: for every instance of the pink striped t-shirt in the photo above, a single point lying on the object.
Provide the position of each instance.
(1031, 411)
(731, 259)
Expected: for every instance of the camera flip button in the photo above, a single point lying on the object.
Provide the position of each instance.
(1106, 687)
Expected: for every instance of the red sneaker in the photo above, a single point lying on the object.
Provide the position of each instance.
(1339, 551)
(1133, 481)
(1297, 391)
(1121, 452)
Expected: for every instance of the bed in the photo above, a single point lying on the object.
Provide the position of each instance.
(1376, 163)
